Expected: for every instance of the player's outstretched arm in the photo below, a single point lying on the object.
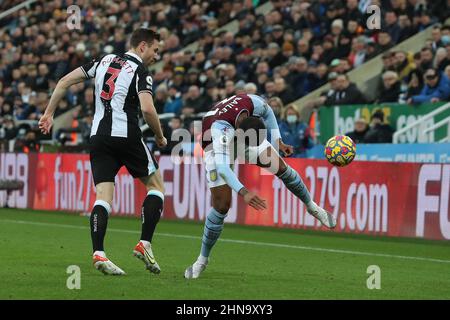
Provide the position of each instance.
(74, 77)
(151, 117)
(222, 137)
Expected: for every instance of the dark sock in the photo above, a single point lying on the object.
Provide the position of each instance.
(151, 212)
(99, 222)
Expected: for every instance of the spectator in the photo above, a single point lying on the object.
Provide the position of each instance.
(298, 76)
(447, 71)
(426, 59)
(391, 88)
(277, 106)
(358, 55)
(437, 88)
(436, 36)
(384, 41)
(415, 83)
(28, 144)
(295, 132)
(270, 89)
(282, 91)
(403, 64)
(361, 128)
(406, 28)
(378, 132)
(174, 101)
(194, 102)
(175, 125)
(346, 93)
(10, 129)
(250, 88)
(160, 98)
(440, 59)
(392, 26)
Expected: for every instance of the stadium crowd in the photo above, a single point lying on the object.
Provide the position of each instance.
(283, 55)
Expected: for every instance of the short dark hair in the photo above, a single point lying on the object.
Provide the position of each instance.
(254, 123)
(143, 34)
(378, 114)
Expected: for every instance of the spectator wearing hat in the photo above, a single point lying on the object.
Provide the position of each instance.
(298, 76)
(295, 132)
(437, 88)
(379, 132)
(192, 78)
(360, 130)
(277, 34)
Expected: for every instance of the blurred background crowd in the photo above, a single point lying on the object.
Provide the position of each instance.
(283, 55)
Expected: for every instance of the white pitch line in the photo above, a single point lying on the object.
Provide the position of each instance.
(256, 243)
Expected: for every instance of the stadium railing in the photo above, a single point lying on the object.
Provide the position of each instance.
(16, 8)
(366, 75)
(421, 121)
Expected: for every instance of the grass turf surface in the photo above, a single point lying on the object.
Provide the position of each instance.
(247, 262)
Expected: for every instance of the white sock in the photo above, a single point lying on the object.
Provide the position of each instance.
(100, 253)
(202, 259)
(311, 205)
(145, 243)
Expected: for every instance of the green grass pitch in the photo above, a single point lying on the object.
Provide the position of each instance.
(247, 262)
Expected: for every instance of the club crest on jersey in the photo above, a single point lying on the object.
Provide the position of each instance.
(213, 175)
(224, 139)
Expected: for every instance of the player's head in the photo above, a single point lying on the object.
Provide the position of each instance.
(145, 43)
(250, 130)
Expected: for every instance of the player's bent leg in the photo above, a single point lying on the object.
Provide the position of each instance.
(221, 201)
(271, 160)
(99, 222)
(150, 215)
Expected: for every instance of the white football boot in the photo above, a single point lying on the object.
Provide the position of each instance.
(326, 218)
(194, 271)
(145, 254)
(106, 266)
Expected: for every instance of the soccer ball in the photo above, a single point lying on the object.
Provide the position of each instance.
(340, 150)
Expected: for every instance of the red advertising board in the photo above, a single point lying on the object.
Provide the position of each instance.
(377, 198)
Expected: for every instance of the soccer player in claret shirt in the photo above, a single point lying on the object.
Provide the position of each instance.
(238, 117)
(123, 85)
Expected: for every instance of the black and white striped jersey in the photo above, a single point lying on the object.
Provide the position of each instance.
(118, 81)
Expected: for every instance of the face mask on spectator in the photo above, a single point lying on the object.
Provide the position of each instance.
(292, 118)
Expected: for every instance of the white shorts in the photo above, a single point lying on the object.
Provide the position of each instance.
(251, 156)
